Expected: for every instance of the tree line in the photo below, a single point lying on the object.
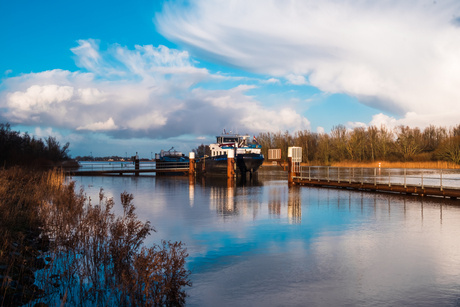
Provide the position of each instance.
(368, 144)
(22, 149)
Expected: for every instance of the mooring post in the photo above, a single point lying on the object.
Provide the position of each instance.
(328, 174)
(309, 173)
(338, 174)
(362, 176)
(422, 179)
(231, 164)
(191, 167)
(136, 164)
(290, 170)
(349, 175)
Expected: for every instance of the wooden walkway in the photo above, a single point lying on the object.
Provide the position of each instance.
(423, 182)
(102, 169)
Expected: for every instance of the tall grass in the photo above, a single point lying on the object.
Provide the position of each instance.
(81, 252)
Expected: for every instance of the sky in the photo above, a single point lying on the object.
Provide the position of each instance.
(115, 78)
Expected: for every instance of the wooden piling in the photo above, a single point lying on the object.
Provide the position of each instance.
(136, 166)
(231, 164)
(191, 169)
(290, 171)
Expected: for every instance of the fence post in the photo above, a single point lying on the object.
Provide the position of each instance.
(375, 176)
(404, 178)
(441, 179)
(422, 179)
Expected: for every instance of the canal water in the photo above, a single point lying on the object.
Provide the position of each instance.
(263, 243)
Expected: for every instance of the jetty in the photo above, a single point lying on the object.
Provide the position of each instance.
(134, 168)
(422, 182)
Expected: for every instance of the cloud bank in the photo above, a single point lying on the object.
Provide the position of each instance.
(151, 92)
(401, 57)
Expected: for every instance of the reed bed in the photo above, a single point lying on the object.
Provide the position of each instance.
(61, 248)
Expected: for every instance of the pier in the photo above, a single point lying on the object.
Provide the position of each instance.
(117, 168)
(422, 182)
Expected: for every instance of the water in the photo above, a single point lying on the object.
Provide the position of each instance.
(266, 244)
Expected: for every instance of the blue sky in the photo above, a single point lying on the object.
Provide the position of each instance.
(112, 77)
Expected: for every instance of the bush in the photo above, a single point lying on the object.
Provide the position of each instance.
(449, 150)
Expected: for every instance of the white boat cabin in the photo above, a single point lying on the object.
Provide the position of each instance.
(240, 144)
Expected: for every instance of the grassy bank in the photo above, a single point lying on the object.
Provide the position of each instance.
(60, 247)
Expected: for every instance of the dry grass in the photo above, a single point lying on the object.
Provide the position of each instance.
(81, 252)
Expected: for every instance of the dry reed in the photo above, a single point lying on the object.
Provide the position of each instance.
(58, 247)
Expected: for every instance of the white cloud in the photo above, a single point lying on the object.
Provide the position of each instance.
(39, 97)
(320, 130)
(296, 79)
(400, 57)
(271, 81)
(142, 92)
(108, 125)
(413, 119)
(352, 125)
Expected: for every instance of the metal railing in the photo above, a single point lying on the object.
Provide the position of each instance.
(433, 178)
(125, 166)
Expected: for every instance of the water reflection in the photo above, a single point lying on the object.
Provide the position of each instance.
(263, 243)
(294, 205)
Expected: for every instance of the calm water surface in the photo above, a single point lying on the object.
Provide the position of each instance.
(263, 243)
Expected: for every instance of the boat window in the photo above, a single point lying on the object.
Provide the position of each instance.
(230, 140)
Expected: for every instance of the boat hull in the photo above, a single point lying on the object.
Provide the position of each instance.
(244, 163)
(249, 162)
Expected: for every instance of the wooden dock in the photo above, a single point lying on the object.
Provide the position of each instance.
(103, 169)
(422, 182)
